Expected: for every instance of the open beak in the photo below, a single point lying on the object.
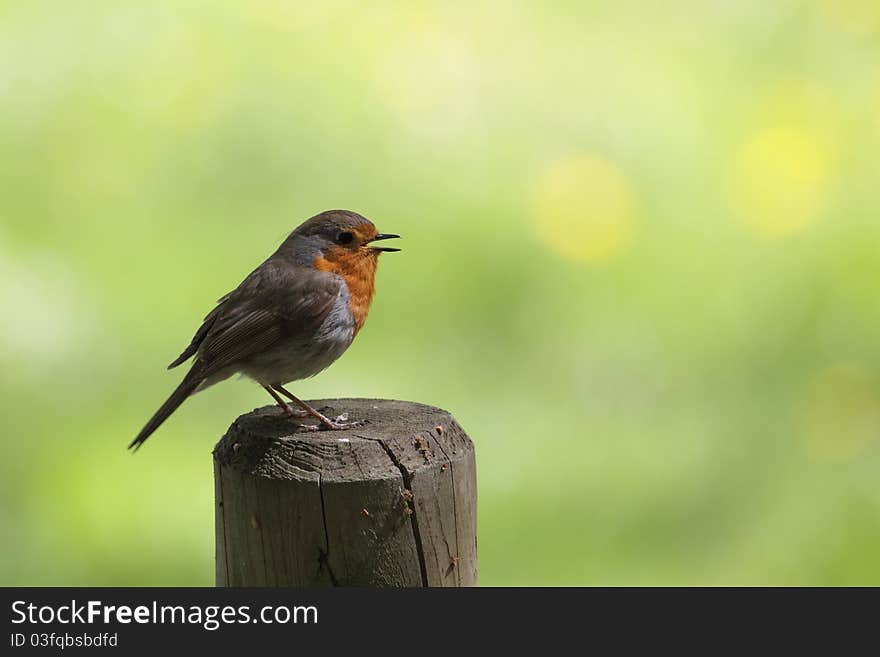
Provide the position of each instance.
(384, 236)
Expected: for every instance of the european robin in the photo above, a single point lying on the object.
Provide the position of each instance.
(291, 318)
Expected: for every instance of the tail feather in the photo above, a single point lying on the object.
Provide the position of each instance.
(187, 387)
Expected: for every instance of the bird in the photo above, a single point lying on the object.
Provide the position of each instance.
(289, 319)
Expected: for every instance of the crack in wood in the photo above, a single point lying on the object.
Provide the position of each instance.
(324, 556)
(407, 482)
(219, 477)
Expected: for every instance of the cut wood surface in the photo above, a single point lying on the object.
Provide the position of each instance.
(389, 503)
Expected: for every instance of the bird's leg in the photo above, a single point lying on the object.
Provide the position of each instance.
(333, 425)
(285, 407)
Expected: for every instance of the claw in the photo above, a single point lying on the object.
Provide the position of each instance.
(331, 425)
(336, 425)
(287, 411)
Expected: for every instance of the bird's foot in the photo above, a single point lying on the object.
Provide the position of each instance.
(340, 423)
(288, 411)
(337, 425)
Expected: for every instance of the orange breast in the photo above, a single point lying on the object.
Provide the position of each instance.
(358, 270)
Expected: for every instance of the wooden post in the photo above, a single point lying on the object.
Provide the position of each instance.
(390, 503)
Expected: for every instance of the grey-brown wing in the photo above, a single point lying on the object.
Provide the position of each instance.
(201, 333)
(278, 304)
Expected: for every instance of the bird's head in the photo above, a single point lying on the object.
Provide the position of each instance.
(340, 239)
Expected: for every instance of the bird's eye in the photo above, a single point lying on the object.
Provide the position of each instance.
(345, 238)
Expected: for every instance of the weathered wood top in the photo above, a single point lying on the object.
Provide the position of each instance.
(399, 438)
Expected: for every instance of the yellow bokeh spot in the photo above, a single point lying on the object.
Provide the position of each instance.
(857, 16)
(842, 412)
(583, 208)
(780, 181)
(780, 175)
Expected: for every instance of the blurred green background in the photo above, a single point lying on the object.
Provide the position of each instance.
(641, 266)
